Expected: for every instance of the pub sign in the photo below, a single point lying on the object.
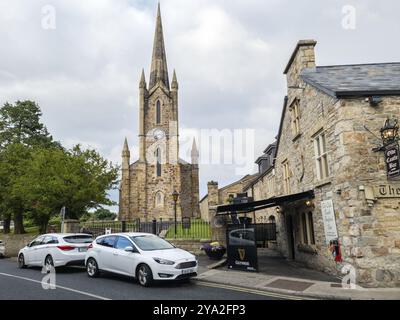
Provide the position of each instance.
(392, 159)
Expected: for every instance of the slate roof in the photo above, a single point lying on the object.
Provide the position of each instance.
(355, 80)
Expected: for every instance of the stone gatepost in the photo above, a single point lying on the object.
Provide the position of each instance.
(218, 226)
(70, 226)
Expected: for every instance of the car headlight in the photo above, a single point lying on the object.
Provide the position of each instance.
(164, 261)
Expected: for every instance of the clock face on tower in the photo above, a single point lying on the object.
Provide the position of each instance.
(158, 134)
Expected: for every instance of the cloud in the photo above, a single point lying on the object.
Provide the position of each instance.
(229, 57)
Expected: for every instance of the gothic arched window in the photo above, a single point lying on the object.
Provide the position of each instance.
(271, 219)
(159, 200)
(158, 155)
(158, 112)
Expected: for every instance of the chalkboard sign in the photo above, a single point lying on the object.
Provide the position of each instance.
(392, 159)
(242, 248)
(185, 223)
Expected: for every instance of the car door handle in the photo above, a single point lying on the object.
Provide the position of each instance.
(115, 254)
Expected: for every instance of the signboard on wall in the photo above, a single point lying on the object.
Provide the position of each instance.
(328, 217)
(392, 159)
(387, 191)
(242, 248)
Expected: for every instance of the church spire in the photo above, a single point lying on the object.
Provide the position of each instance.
(194, 153)
(159, 70)
(125, 151)
(142, 84)
(174, 83)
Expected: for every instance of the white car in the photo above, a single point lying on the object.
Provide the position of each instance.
(143, 256)
(2, 249)
(55, 250)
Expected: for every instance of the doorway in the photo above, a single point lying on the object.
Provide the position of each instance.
(290, 236)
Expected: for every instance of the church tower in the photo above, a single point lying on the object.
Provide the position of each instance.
(147, 185)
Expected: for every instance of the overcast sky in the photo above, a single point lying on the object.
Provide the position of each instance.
(229, 57)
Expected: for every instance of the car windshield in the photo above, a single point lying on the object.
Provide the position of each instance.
(150, 243)
(78, 239)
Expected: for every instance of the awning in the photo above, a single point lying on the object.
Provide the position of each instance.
(262, 204)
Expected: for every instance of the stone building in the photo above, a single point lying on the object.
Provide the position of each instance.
(218, 196)
(263, 185)
(327, 158)
(147, 184)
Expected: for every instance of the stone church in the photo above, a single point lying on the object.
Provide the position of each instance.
(147, 184)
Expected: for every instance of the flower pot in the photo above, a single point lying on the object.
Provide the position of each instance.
(215, 254)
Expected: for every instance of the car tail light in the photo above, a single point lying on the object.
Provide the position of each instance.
(90, 246)
(66, 248)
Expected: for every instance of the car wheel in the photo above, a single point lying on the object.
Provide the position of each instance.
(144, 275)
(48, 263)
(21, 261)
(92, 268)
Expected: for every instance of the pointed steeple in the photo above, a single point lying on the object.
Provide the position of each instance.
(142, 83)
(174, 83)
(159, 70)
(125, 151)
(195, 152)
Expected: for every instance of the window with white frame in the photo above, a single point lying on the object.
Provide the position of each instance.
(307, 228)
(295, 117)
(286, 176)
(321, 156)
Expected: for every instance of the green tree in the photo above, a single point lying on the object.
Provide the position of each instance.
(14, 160)
(19, 126)
(20, 123)
(77, 179)
(104, 214)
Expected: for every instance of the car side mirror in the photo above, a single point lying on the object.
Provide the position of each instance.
(129, 249)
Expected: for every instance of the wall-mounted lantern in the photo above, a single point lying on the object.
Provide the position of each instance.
(390, 132)
(310, 204)
(278, 210)
(390, 147)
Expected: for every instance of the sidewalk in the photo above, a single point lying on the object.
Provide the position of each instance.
(277, 275)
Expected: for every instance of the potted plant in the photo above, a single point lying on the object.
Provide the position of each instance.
(214, 250)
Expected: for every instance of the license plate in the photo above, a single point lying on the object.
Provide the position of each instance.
(186, 271)
(82, 249)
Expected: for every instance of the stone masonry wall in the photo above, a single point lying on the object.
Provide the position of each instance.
(369, 233)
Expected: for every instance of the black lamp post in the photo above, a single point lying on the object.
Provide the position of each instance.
(175, 196)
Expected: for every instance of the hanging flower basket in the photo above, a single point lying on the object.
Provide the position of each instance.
(214, 250)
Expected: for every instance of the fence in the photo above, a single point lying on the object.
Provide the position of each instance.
(195, 229)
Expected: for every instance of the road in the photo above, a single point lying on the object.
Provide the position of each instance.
(74, 284)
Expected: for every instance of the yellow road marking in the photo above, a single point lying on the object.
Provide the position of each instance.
(253, 291)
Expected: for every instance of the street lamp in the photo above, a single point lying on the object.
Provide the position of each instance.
(175, 196)
(389, 132)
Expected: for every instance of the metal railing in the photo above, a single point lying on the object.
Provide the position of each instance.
(195, 229)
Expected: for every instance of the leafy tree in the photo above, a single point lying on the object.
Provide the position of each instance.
(14, 160)
(104, 214)
(100, 214)
(20, 127)
(78, 179)
(38, 176)
(20, 123)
